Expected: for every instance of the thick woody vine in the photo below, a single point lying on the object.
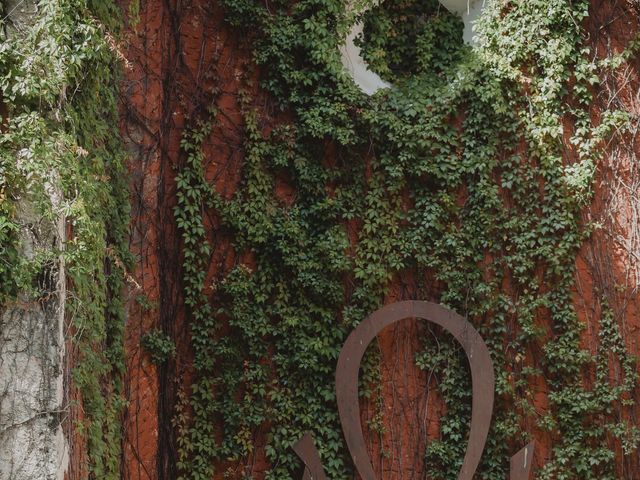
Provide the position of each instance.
(461, 174)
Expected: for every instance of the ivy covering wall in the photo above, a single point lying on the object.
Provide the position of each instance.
(59, 133)
(469, 176)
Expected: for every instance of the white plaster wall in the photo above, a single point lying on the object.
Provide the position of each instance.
(469, 10)
(32, 443)
(368, 81)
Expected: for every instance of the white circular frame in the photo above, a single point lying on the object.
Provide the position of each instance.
(368, 81)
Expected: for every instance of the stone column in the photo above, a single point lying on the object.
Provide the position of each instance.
(32, 443)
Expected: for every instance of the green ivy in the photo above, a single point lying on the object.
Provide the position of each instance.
(58, 85)
(457, 176)
(159, 345)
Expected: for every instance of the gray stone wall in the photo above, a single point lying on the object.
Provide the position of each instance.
(32, 443)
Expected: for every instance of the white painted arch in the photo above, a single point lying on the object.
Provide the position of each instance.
(368, 81)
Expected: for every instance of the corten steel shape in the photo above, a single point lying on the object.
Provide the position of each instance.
(481, 375)
(482, 378)
(305, 448)
(521, 463)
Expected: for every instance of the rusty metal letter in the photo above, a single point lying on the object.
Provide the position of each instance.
(481, 375)
(521, 463)
(306, 449)
(482, 378)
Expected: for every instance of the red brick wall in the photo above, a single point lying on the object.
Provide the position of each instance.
(176, 56)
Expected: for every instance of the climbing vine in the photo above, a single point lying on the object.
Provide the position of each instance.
(459, 175)
(60, 154)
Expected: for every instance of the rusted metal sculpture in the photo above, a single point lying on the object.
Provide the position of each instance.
(482, 378)
(306, 450)
(521, 463)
